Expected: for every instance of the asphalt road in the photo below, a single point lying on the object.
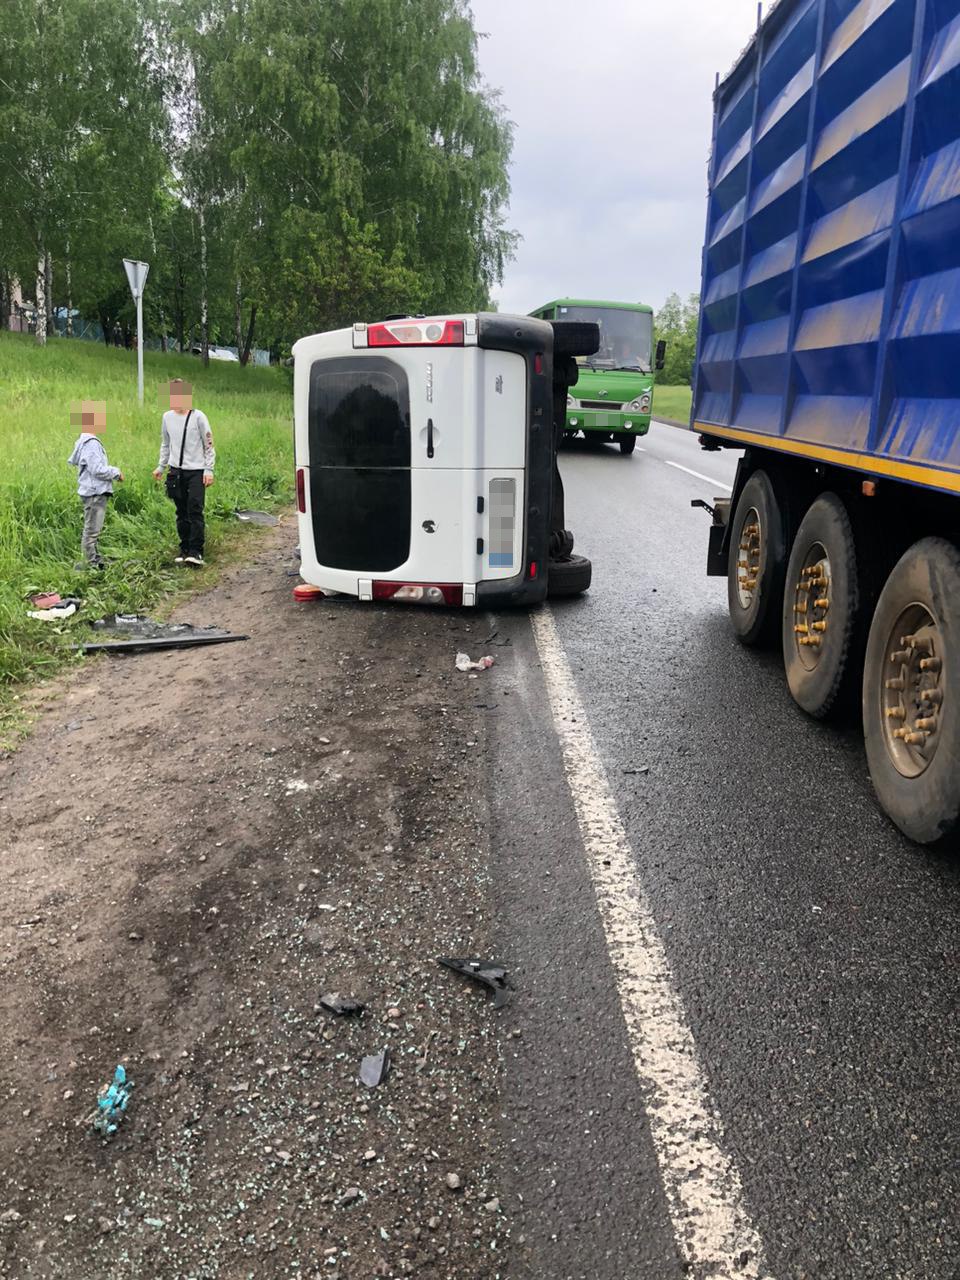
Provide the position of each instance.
(814, 950)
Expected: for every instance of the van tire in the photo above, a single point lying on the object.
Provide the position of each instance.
(926, 805)
(820, 675)
(569, 577)
(627, 444)
(755, 613)
(574, 338)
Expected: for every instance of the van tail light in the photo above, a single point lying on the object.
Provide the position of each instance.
(533, 568)
(301, 490)
(420, 592)
(416, 333)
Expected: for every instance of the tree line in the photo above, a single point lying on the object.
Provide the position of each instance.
(285, 166)
(676, 321)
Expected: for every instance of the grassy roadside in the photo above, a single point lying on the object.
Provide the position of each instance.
(672, 402)
(40, 515)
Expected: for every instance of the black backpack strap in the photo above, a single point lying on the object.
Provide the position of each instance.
(183, 440)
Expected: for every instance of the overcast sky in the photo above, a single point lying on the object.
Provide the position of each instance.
(611, 100)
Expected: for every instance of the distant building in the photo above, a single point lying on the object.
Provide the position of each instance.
(17, 319)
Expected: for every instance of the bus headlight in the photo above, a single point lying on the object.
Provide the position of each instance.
(641, 404)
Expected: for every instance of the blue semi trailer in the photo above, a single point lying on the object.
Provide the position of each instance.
(829, 350)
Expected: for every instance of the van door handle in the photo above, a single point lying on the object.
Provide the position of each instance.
(429, 437)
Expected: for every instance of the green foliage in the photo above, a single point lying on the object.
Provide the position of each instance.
(40, 514)
(82, 131)
(309, 165)
(672, 402)
(676, 321)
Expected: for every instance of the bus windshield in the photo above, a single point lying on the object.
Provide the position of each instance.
(626, 337)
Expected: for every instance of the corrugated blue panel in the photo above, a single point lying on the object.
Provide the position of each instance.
(937, 180)
(724, 285)
(929, 305)
(857, 220)
(787, 175)
(787, 99)
(924, 430)
(831, 276)
(777, 260)
(769, 337)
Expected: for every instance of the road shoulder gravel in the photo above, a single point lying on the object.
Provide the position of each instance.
(195, 847)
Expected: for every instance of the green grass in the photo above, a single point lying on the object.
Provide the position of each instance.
(672, 402)
(40, 514)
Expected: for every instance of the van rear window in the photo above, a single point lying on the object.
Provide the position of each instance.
(359, 413)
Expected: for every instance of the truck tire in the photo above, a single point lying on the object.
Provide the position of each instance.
(822, 609)
(757, 562)
(911, 705)
(569, 577)
(627, 443)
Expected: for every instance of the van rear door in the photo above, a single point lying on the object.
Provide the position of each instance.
(359, 449)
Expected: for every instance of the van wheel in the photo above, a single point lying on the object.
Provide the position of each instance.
(574, 337)
(628, 444)
(569, 577)
(757, 561)
(911, 678)
(822, 608)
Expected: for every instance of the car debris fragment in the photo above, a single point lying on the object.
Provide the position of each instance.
(112, 1104)
(51, 607)
(464, 662)
(375, 1068)
(488, 972)
(134, 633)
(342, 1006)
(263, 518)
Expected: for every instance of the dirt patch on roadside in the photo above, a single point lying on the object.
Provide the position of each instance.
(196, 845)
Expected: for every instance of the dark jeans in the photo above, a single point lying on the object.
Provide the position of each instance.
(185, 489)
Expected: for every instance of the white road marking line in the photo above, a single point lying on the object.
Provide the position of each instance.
(699, 474)
(702, 1183)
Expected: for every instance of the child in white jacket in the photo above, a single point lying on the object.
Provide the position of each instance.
(95, 477)
(188, 456)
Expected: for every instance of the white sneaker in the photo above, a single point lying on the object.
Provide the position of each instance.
(179, 559)
(194, 560)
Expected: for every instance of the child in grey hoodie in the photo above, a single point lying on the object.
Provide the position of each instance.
(95, 476)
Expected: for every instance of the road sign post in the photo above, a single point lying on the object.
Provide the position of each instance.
(137, 277)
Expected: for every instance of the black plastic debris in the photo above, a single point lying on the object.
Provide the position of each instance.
(257, 517)
(375, 1068)
(343, 1006)
(488, 972)
(638, 768)
(134, 633)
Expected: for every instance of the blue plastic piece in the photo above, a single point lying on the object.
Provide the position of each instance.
(831, 266)
(112, 1103)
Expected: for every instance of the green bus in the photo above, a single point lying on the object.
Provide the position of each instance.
(614, 394)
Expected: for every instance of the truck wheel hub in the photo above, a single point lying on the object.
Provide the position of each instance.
(812, 605)
(748, 558)
(912, 695)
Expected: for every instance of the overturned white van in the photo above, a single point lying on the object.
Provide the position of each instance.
(425, 455)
